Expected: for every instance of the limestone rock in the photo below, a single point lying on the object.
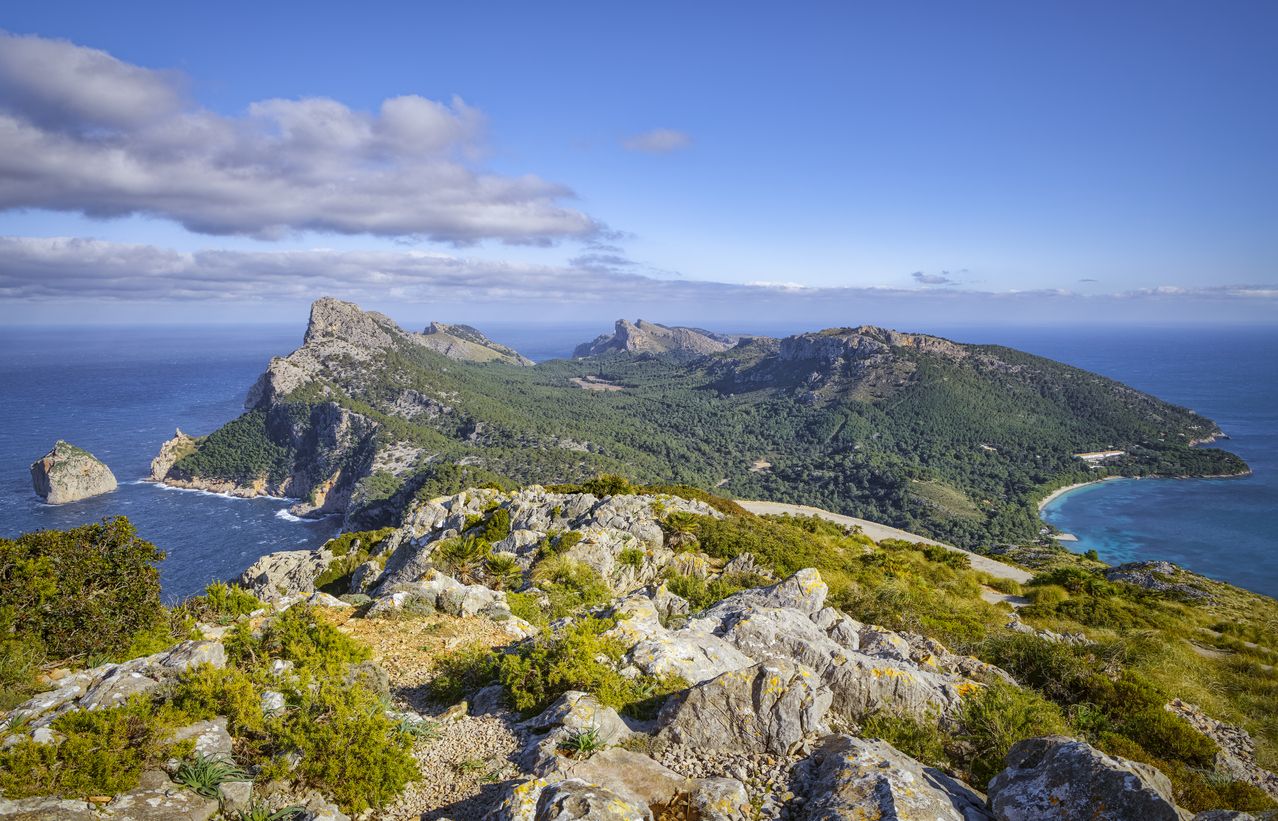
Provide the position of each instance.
(769, 707)
(467, 344)
(858, 778)
(721, 799)
(577, 800)
(170, 452)
(276, 576)
(1236, 758)
(46, 809)
(636, 778)
(158, 799)
(1062, 778)
(211, 738)
(68, 474)
(572, 713)
(649, 337)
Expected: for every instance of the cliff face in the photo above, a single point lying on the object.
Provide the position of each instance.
(68, 474)
(649, 337)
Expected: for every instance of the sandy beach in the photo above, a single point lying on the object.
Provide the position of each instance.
(1062, 491)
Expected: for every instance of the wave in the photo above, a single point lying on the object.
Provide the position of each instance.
(283, 513)
(219, 494)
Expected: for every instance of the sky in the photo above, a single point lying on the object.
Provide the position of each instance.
(906, 163)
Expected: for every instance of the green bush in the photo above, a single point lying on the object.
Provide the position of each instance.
(920, 738)
(206, 692)
(315, 647)
(527, 607)
(571, 585)
(463, 557)
(579, 657)
(463, 671)
(497, 527)
(103, 752)
(220, 603)
(998, 717)
(88, 591)
(349, 748)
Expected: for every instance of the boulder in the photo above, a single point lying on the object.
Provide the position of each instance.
(277, 576)
(1062, 778)
(68, 474)
(636, 778)
(769, 707)
(572, 713)
(577, 800)
(721, 799)
(859, 778)
(211, 738)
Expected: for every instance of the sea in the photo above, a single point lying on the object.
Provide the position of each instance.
(119, 392)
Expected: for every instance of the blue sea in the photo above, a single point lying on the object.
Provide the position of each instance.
(119, 392)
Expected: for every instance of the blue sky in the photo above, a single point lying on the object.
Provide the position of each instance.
(850, 162)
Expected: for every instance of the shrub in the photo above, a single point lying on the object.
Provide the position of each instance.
(91, 590)
(920, 738)
(998, 717)
(315, 647)
(350, 551)
(632, 557)
(498, 526)
(220, 603)
(502, 571)
(103, 752)
(463, 557)
(527, 607)
(571, 585)
(349, 748)
(463, 671)
(580, 657)
(206, 692)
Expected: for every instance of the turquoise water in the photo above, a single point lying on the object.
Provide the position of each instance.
(1223, 528)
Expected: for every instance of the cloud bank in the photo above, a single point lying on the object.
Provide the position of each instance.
(53, 270)
(83, 131)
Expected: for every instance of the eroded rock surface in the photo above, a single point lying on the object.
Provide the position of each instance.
(68, 474)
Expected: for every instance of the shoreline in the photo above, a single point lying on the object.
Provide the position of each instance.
(1055, 494)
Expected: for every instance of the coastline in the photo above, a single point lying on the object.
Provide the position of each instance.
(1042, 503)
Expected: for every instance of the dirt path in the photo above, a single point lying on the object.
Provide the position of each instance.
(879, 532)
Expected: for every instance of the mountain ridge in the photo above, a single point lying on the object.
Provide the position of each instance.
(913, 430)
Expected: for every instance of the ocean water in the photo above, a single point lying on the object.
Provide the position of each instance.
(119, 392)
(1223, 528)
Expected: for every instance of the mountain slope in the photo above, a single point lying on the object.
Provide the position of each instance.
(952, 440)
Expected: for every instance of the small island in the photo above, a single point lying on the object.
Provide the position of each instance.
(68, 474)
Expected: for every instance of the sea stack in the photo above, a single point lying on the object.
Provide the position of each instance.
(68, 474)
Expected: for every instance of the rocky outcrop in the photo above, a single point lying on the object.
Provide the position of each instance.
(1065, 779)
(467, 344)
(860, 778)
(1236, 758)
(172, 450)
(277, 576)
(68, 474)
(768, 707)
(649, 337)
(1160, 577)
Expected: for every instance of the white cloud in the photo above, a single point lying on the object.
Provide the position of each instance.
(657, 141)
(85, 132)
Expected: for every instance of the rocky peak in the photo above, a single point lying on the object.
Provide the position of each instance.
(68, 474)
(642, 336)
(468, 344)
(346, 322)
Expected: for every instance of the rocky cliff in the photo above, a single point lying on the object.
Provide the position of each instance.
(68, 474)
(468, 344)
(649, 337)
